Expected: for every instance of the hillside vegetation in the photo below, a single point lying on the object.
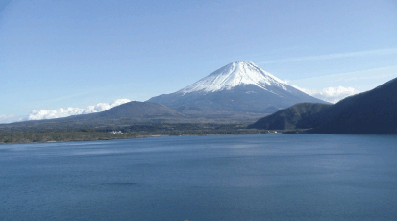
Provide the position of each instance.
(371, 112)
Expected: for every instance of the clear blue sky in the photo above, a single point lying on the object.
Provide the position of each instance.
(70, 53)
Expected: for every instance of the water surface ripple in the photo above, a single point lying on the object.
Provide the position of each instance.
(230, 177)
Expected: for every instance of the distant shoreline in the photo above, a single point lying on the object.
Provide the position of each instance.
(56, 137)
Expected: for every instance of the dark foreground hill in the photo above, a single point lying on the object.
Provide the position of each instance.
(371, 112)
(289, 119)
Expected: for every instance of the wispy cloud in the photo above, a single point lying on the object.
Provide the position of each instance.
(357, 78)
(336, 56)
(362, 80)
(369, 74)
(92, 91)
(4, 4)
(67, 97)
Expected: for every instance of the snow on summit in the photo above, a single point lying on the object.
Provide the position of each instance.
(237, 87)
(234, 74)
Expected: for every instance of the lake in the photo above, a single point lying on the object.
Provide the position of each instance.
(228, 177)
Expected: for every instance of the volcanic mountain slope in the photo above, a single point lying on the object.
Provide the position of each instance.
(140, 111)
(238, 86)
(371, 112)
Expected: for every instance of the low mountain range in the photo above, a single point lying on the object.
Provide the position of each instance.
(134, 112)
(371, 112)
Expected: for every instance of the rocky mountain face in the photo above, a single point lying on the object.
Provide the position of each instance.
(239, 87)
(371, 112)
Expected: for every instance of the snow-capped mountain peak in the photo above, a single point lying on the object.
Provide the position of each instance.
(239, 86)
(234, 74)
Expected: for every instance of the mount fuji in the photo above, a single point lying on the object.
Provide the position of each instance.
(239, 86)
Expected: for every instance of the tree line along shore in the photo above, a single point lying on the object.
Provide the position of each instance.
(126, 132)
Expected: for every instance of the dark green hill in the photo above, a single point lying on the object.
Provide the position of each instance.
(290, 118)
(371, 112)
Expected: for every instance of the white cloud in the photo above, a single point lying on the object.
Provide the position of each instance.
(6, 119)
(50, 114)
(330, 94)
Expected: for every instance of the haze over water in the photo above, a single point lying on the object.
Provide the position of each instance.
(236, 177)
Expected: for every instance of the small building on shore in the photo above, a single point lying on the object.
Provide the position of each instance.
(116, 132)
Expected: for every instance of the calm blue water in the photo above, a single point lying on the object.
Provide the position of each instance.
(236, 177)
